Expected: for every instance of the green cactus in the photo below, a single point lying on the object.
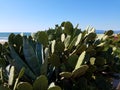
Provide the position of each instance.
(109, 32)
(55, 88)
(0, 48)
(54, 60)
(3, 62)
(11, 38)
(19, 63)
(18, 78)
(62, 37)
(72, 43)
(44, 66)
(41, 83)
(42, 38)
(18, 40)
(80, 60)
(53, 46)
(91, 37)
(79, 71)
(24, 86)
(11, 76)
(72, 60)
(4, 88)
(100, 61)
(59, 47)
(80, 48)
(65, 55)
(62, 24)
(21, 73)
(68, 28)
(67, 41)
(92, 60)
(78, 39)
(66, 74)
(30, 57)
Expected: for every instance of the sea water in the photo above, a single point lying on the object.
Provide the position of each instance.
(4, 35)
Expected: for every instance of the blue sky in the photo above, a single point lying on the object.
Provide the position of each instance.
(34, 15)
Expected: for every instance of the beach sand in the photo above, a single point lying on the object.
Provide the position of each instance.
(2, 41)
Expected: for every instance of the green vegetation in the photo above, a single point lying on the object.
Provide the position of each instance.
(63, 58)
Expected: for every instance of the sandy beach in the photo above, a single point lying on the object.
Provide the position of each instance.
(2, 41)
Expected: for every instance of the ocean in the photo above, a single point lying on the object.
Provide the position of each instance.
(4, 35)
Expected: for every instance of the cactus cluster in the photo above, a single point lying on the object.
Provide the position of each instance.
(63, 58)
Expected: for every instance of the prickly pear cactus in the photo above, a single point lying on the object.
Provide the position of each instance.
(11, 76)
(18, 40)
(59, 47)
(68, 28)
(4, 88)
(11, 38)
(109, 32)
(66, 74)
(91, 37)
(54, 60)
(0, 48)
(80, 71)
(80, 60)
(24, 86)
(2, 62)
(41, 83)
(55, 88)
(100, 61)
(42, 38)
(72, 60)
